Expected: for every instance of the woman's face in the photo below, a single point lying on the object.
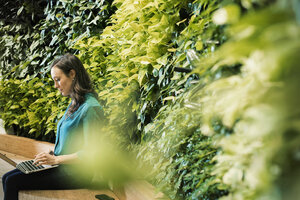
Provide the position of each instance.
(61, 81)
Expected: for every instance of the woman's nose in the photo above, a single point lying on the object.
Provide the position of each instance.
(56, 85)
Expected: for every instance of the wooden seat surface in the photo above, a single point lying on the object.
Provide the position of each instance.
(20, 148)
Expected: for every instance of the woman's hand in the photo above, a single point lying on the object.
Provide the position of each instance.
(45, 158)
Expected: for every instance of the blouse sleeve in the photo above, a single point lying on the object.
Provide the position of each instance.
(93, 122)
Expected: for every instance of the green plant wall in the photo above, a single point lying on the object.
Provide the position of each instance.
(17, 20)
(183, 168)
(243, 105)
(34, 109)
(135, 51)
(226, 130)
(259, 157)
(28, 46)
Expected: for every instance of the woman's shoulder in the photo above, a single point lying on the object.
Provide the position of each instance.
(91, 107)
(90, 101)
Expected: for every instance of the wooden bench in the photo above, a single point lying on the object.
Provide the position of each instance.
(20, 148)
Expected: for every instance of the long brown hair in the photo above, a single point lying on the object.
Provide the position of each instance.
(81, 84)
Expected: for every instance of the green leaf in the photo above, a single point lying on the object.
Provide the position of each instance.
(163, 60)
(20, 10)
(141, 75)
(52, 94)
(54, 39)
(14, 107)
(38, 85)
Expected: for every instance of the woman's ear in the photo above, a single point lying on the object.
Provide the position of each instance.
(72, 73)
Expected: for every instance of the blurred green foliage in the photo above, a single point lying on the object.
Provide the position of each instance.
(227, 130)
(257, 107)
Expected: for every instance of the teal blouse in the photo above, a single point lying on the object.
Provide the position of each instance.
(75, 131)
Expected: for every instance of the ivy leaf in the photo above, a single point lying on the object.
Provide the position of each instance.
(141, 75)
(54, 39)
(14, 107)
(163, 60)
(20, 10)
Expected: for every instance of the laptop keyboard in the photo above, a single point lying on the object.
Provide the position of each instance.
(29, 166)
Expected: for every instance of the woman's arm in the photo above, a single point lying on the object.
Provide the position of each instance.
(92, 122)
(45, 158)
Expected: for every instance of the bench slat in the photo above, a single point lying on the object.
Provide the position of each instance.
(79, 194)
(23, 146)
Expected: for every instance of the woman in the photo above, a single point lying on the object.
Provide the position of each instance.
(74, 131)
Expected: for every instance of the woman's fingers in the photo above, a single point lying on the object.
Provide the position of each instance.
(42, 158)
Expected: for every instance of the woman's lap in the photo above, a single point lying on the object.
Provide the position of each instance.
(51, 179)
(55, 178)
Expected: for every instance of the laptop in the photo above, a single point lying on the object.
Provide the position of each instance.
(27, 167)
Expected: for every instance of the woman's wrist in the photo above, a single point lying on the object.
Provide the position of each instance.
(66, 159)
(57, 160)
